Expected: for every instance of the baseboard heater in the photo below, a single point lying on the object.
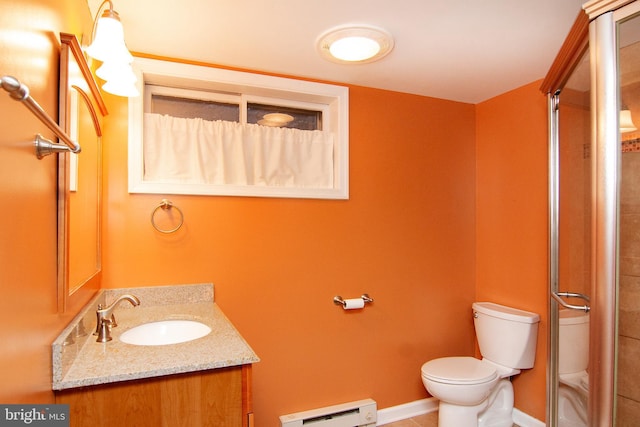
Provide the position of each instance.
(362, 413)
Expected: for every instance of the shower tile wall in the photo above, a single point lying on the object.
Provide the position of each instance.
(629, 292)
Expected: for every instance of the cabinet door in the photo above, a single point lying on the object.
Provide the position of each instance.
(204, 399)
(247, 397)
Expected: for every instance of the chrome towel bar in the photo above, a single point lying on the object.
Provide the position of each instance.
(20, 92)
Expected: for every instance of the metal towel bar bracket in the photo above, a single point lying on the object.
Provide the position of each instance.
(20, 92)
(44, 147)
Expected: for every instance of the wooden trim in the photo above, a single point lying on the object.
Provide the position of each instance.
(73, 300)
(595, 8)
(92, 111)
(569, 55)
(247, 397)
(74, 45)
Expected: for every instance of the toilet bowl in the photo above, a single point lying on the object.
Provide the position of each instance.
(573, 361)
(473, 392)
(444, 377)
(466, 387)
(573, 392)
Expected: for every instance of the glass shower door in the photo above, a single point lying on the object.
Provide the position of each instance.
(595, 225)
(628, 343)
(570, 218)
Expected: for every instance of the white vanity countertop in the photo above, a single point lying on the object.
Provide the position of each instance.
(85, 362)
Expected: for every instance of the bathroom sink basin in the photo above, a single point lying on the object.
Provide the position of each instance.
(165, 332)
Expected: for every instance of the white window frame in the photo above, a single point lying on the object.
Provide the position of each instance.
(332, 100)
(150, 90)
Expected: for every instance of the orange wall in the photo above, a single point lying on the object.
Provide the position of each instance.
(29, 322)
(511, 219)
(443, 195)
(405, 236)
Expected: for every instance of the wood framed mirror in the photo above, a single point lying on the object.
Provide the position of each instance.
(81, 109)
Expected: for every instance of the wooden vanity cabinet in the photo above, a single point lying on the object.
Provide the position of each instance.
(213, 398)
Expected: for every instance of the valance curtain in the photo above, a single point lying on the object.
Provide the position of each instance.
(197, 151)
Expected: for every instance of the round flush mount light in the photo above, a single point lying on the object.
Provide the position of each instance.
(355, 44)
(275, 119)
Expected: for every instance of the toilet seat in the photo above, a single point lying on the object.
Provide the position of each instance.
(459, 370)
(576, 380)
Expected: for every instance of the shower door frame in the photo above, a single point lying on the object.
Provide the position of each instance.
(605, 86)
(604, 16)
(567, 60)
(605, 149)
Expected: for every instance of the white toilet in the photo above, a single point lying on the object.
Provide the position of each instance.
(476, 392)
(573, 360)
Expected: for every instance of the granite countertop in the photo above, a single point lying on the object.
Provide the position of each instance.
(78, 360)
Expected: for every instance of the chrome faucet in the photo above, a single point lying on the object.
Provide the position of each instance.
(106, 320)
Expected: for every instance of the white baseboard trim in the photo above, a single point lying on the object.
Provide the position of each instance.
(407, 410)
(526, 420)
(425, 406)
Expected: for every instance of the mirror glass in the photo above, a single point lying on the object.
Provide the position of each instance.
(79, 179)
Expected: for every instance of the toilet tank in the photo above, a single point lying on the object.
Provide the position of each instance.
(573, 340)
(506, 336)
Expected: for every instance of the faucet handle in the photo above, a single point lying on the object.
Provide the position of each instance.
(111, 321)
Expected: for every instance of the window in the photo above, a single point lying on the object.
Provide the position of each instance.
(179, 103)
(305, 122)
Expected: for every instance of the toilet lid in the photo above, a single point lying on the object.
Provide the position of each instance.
(459, 370)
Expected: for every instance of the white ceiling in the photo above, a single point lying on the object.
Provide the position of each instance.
(462, 50)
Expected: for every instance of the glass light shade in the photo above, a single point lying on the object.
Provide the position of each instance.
(121, 89)
(117, 71)
(108, 41)
(626, 123)
(354, 48)
(355, 45)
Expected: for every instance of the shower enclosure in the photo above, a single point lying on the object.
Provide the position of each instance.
(594, 220)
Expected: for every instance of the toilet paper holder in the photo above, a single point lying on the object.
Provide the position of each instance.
(338, 300)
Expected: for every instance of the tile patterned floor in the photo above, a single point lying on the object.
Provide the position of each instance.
(426, 420)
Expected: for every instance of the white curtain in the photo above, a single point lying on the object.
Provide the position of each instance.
(204, 152)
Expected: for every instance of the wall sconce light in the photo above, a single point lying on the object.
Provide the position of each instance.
(108, 46)
(626, 123)
(355, 45)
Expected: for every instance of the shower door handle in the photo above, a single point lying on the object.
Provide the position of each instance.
(558, 297)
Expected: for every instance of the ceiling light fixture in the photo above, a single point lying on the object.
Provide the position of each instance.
(355, 44)
(275, 119)
(108, 46)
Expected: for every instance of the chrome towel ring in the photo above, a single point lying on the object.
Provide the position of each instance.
(166, 205)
